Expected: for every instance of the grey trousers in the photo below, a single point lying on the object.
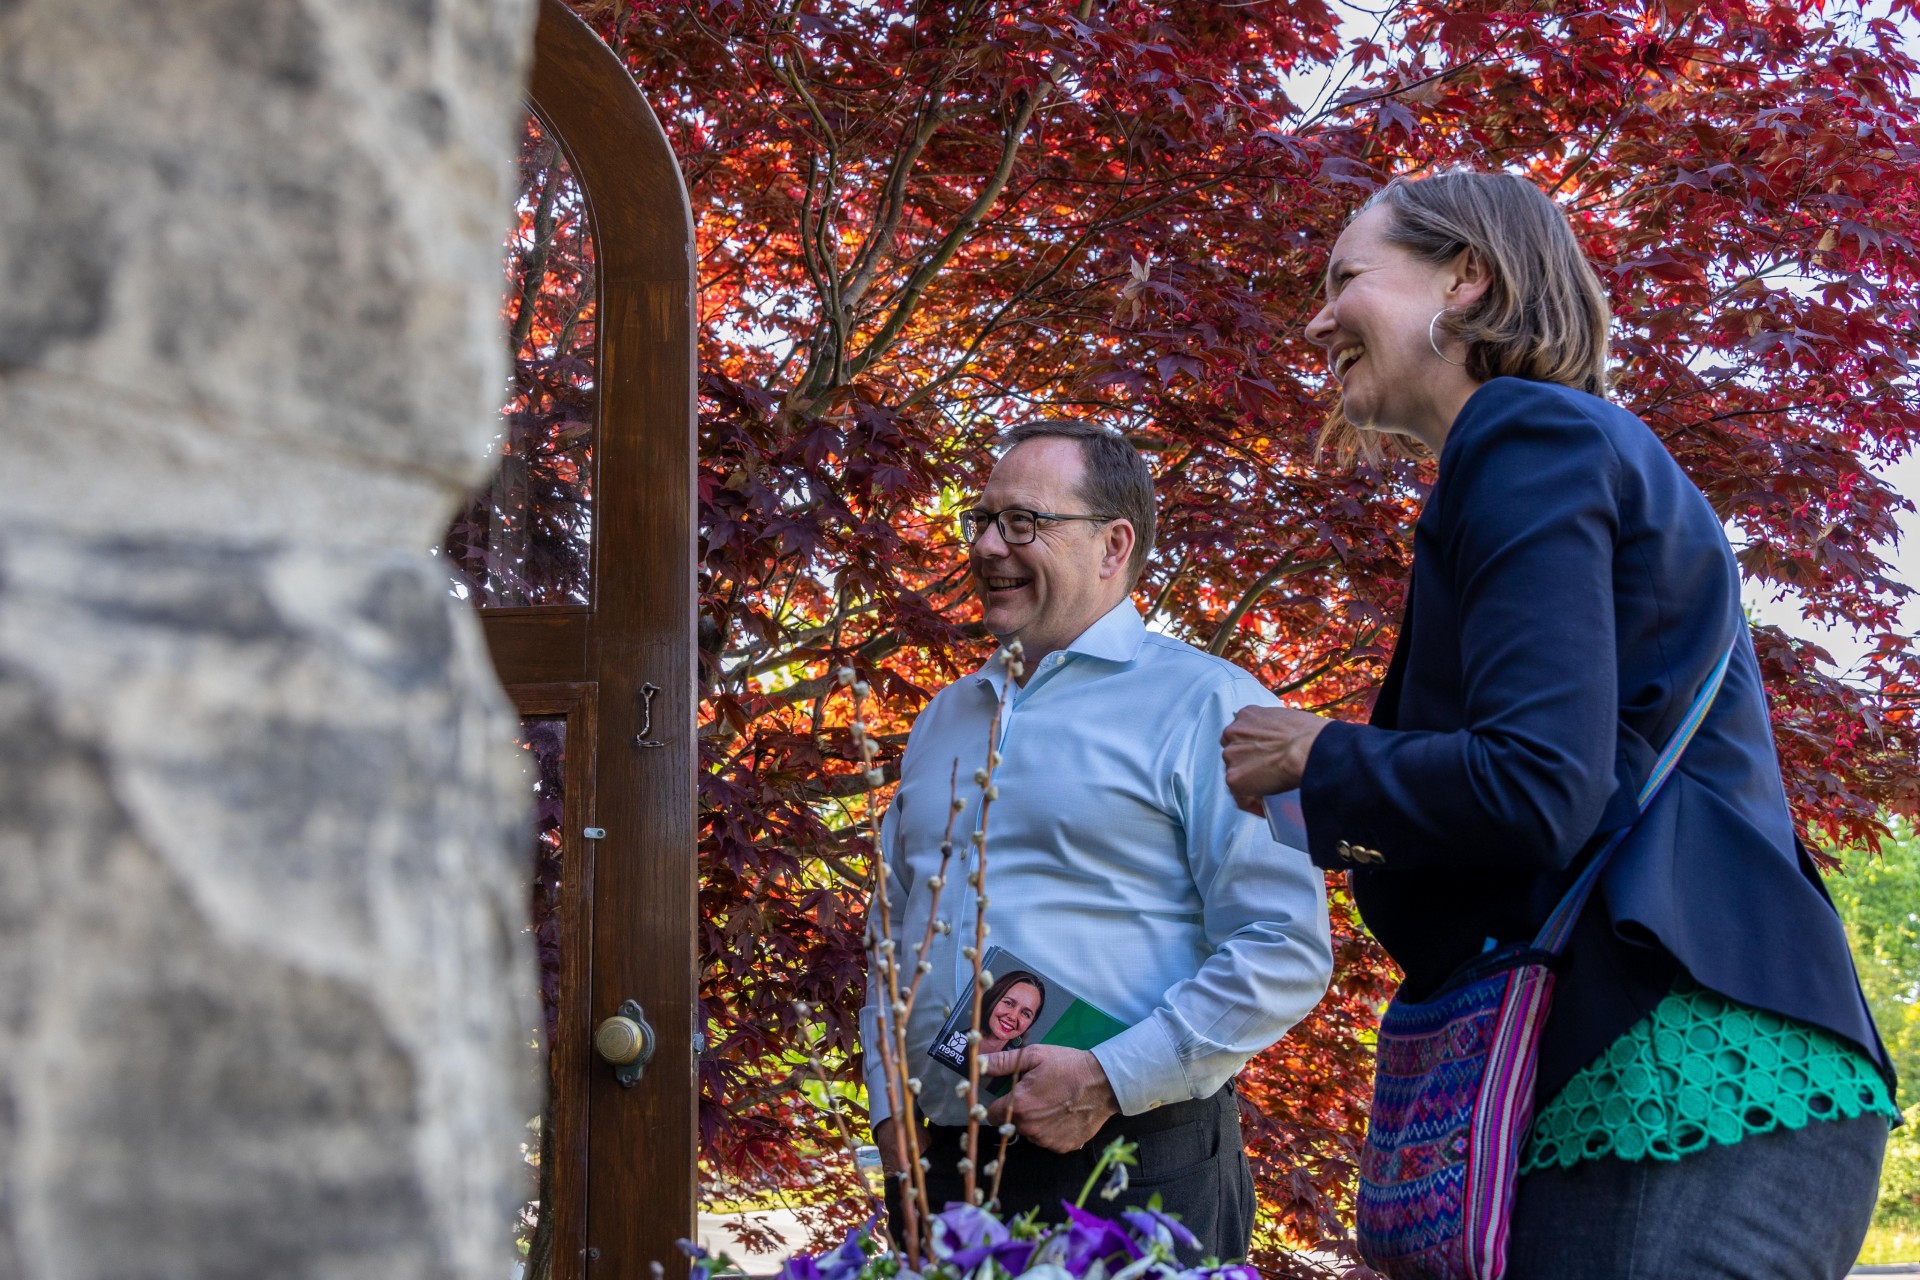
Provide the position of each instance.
(1793, 1204)
(1190, 1155)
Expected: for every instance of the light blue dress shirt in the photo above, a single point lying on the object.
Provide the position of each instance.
(1116, 863)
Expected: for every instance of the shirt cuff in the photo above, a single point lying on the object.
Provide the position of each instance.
(1143, 1066)
(878, 1109)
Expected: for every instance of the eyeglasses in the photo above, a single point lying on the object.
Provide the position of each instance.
(1017, 525)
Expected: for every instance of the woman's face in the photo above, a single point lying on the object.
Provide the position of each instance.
(1011, 1015)
(1380, 300)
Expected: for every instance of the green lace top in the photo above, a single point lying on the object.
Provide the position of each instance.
(1702, 1069)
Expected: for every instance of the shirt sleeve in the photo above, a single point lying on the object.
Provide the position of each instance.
(1526, 534)
(1264, 909)
(878, 1105)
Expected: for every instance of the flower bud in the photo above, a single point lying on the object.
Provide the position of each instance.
(990, 1168)
(899, 1008)
(936, 882)
(986, 977)
(913, 1084)
(980, 777)
(958, 804)
(845, 676)
(876, 777)
(960, 1090)
(968, 952)
(1017, 649)
(861, 688)
(994, 758)
(978, 1112)
(973, 1037)
(964, 1165)
(925, 966)
(1007, 1130)
(993, 793)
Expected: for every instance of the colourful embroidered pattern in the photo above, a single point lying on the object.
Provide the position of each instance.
(1702, 1069)
(1453, 1087)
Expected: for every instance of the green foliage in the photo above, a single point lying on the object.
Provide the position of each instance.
(1879, 901)
(1900, 1176)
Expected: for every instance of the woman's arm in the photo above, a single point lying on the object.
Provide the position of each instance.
(1526, 532)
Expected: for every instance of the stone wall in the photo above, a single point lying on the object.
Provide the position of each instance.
(261, 975)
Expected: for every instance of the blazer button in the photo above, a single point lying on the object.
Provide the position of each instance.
(1367, 855)
(1345, 851)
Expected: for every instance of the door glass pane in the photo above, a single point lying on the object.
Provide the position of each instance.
(526, 538)
(544, 739)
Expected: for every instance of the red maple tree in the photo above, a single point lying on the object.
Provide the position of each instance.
(921, 221)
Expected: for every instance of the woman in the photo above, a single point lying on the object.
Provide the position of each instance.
(1712, 1097)
(1007, 1011)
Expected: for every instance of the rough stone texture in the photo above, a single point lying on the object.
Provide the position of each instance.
(261, 972)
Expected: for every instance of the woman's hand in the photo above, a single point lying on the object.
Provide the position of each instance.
(1265, 749)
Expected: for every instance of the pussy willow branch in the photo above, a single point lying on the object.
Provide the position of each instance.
(921, 965)
(999, 1163)
(893, 1008)
(819, 1070)
(969, 1168)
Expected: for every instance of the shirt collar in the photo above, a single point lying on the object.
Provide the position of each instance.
(1116, 637)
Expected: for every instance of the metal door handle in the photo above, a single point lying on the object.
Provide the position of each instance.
(626, 1041)
(641, 739)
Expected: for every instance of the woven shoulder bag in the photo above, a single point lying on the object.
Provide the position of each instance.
(1453, 1087)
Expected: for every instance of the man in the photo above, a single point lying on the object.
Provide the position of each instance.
(1116, 861)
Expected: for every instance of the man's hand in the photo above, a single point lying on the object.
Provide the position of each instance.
(1061, 1098)
(883, 1138)
(1265, 749)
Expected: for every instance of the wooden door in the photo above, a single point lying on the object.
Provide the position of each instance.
(580, 560)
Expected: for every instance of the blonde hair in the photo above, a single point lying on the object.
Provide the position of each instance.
(1544, 315)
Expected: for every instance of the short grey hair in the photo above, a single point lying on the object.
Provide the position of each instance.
(1117, 481)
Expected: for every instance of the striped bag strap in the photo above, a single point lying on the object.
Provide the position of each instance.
(1559, 926)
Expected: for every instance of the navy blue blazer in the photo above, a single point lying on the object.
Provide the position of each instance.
(1571, 592)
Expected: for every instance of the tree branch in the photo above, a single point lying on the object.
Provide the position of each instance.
(1285, 569)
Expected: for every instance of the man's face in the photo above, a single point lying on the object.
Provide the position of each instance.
(1045, 593)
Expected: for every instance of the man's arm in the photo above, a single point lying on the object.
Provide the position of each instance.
(879, 1104)
(1265, 914)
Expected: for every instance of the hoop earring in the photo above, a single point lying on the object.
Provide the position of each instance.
(1435, 345)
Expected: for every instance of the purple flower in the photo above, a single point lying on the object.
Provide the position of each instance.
(1154, 1226)
(849, 1259)
(1013, 1255)
(1232, 1271)
(964, 1226)
(844, 1263)
(800, 1266)
(1091, 1239)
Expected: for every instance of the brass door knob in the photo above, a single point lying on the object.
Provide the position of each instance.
(626, 1041)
